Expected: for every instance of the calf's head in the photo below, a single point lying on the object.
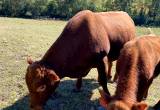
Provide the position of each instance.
(41, 83)
(110, 103)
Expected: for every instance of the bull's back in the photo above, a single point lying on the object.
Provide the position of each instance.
(117, 24)
(120, 28)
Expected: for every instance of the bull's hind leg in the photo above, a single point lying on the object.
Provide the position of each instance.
(102, 73)
(79, 84)
(109, 76)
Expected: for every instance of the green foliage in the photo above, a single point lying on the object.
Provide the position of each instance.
(67, 8)
(143, 12)
(52, 9)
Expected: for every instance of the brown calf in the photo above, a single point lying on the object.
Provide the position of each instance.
(137, 66)
(89, 40)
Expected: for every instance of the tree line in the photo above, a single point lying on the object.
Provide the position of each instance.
(143, 12)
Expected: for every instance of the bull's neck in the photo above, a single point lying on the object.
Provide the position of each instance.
(127, 86)
(52, 66)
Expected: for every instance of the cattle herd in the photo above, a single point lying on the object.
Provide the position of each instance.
(95, 40)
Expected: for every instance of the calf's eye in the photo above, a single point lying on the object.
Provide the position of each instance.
(41, 88)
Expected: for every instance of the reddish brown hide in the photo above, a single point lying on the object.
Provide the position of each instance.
(137, 66)
(89, 40)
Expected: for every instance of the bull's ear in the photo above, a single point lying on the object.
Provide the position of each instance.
(29, 60)
(104, 99)
(140, 106)
(53, 77)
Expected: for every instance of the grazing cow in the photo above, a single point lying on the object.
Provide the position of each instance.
(89, 40)
(137, 66)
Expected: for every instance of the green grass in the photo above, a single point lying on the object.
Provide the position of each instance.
(20, 38)
(145, 30)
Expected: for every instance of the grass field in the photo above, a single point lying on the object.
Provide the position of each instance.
(20, 38)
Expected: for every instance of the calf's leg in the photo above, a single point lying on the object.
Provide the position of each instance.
(155, 74)
(143, 86)
(146, 92)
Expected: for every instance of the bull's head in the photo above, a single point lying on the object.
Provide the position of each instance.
(109, 103)
(41, 83)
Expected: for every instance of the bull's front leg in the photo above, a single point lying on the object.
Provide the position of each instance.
(79, 82)
(103, 73)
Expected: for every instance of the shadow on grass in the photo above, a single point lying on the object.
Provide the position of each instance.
(21, 104)
(65, 98)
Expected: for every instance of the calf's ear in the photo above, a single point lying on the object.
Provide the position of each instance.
(29, 60)
(104, 99)
(53, 77)
(140, 106)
